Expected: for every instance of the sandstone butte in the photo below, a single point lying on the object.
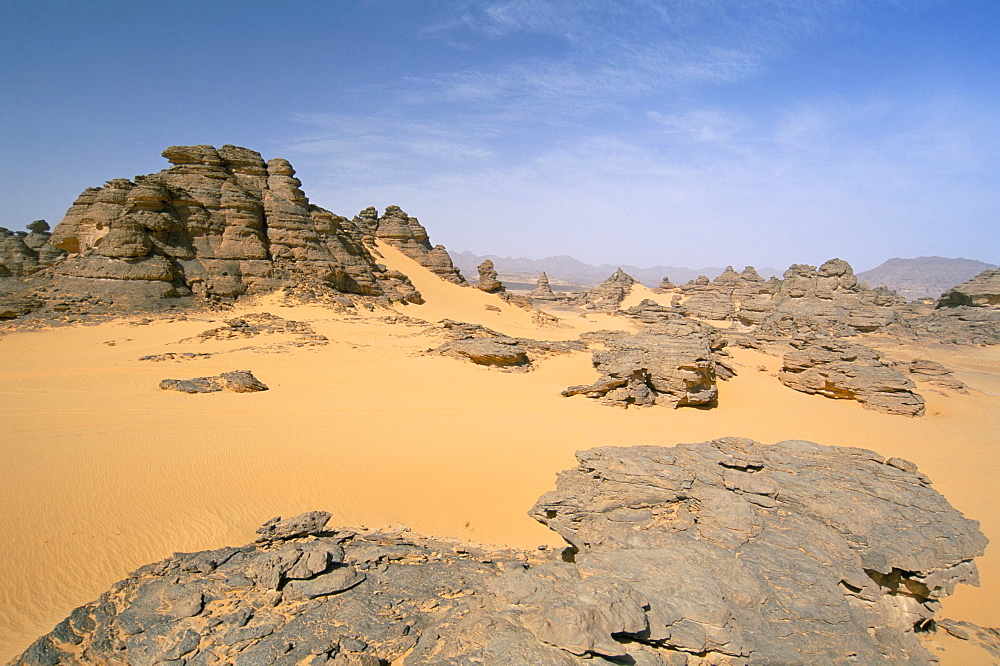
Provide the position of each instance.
(386, 376)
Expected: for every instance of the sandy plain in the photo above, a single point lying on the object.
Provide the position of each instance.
(102, 472)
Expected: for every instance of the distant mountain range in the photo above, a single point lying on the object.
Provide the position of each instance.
(923, 276)
(568, 272)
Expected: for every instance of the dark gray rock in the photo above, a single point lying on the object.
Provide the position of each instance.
(276, 529)
(721, 552)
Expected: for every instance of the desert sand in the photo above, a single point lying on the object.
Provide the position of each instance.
(103, 472)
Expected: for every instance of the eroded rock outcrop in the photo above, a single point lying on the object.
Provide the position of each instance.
(609, 294)
(219, 223)
(982, 290)
(406, 234)
(723, 296)
(672, 363)
(721, 552)
(543, 290)
(488, 280)
(841, 370)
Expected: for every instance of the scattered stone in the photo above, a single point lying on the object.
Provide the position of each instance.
(935, 373)
(720, 552)
(174, 356)
(237, 381)
(841, 370)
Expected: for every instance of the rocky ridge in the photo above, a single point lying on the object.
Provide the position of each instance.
(726, 551)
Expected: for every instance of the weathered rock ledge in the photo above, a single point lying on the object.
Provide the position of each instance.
(723, 552)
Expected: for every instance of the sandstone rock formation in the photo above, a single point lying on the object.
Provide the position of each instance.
(406, 234)
(24, 253)
(982, 290)
(837, 369)
(543, 290)
(217, 224)
(673, 363)
(488, 281)
(666, 284)
(720, 552)
(609, 294)
(934, 373)
(723, 296)
(826, 301)
(237, 381)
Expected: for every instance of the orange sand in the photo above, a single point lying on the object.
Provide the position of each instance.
(103, 472)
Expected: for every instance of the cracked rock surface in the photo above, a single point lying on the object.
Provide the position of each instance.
(722, 552)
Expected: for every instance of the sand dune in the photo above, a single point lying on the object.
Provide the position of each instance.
(103, 472)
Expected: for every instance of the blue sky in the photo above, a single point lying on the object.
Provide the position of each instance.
(681, 132)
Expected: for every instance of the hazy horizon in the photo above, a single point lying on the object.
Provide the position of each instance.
(645, 133)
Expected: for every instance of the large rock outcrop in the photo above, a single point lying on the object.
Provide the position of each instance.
(982, 290)
(724, 552)
(841, 370)
(217, 224)
(824, 301)
(723, 296)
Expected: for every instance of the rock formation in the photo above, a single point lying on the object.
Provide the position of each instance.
(609, 294)
(665, 284)
(723, 296)
(217, 224)
(543, 290)
(934, 373)
(719, 552)
(237, 381)
(982, 290)
(406, 234)
(484, 346)
(488, 281)
(826, 301)
(837, 369)
(24, 253)
(671, 364)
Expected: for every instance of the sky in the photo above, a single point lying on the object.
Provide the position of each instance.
(672, 132)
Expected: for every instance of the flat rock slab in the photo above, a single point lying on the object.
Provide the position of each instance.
(237, 381)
